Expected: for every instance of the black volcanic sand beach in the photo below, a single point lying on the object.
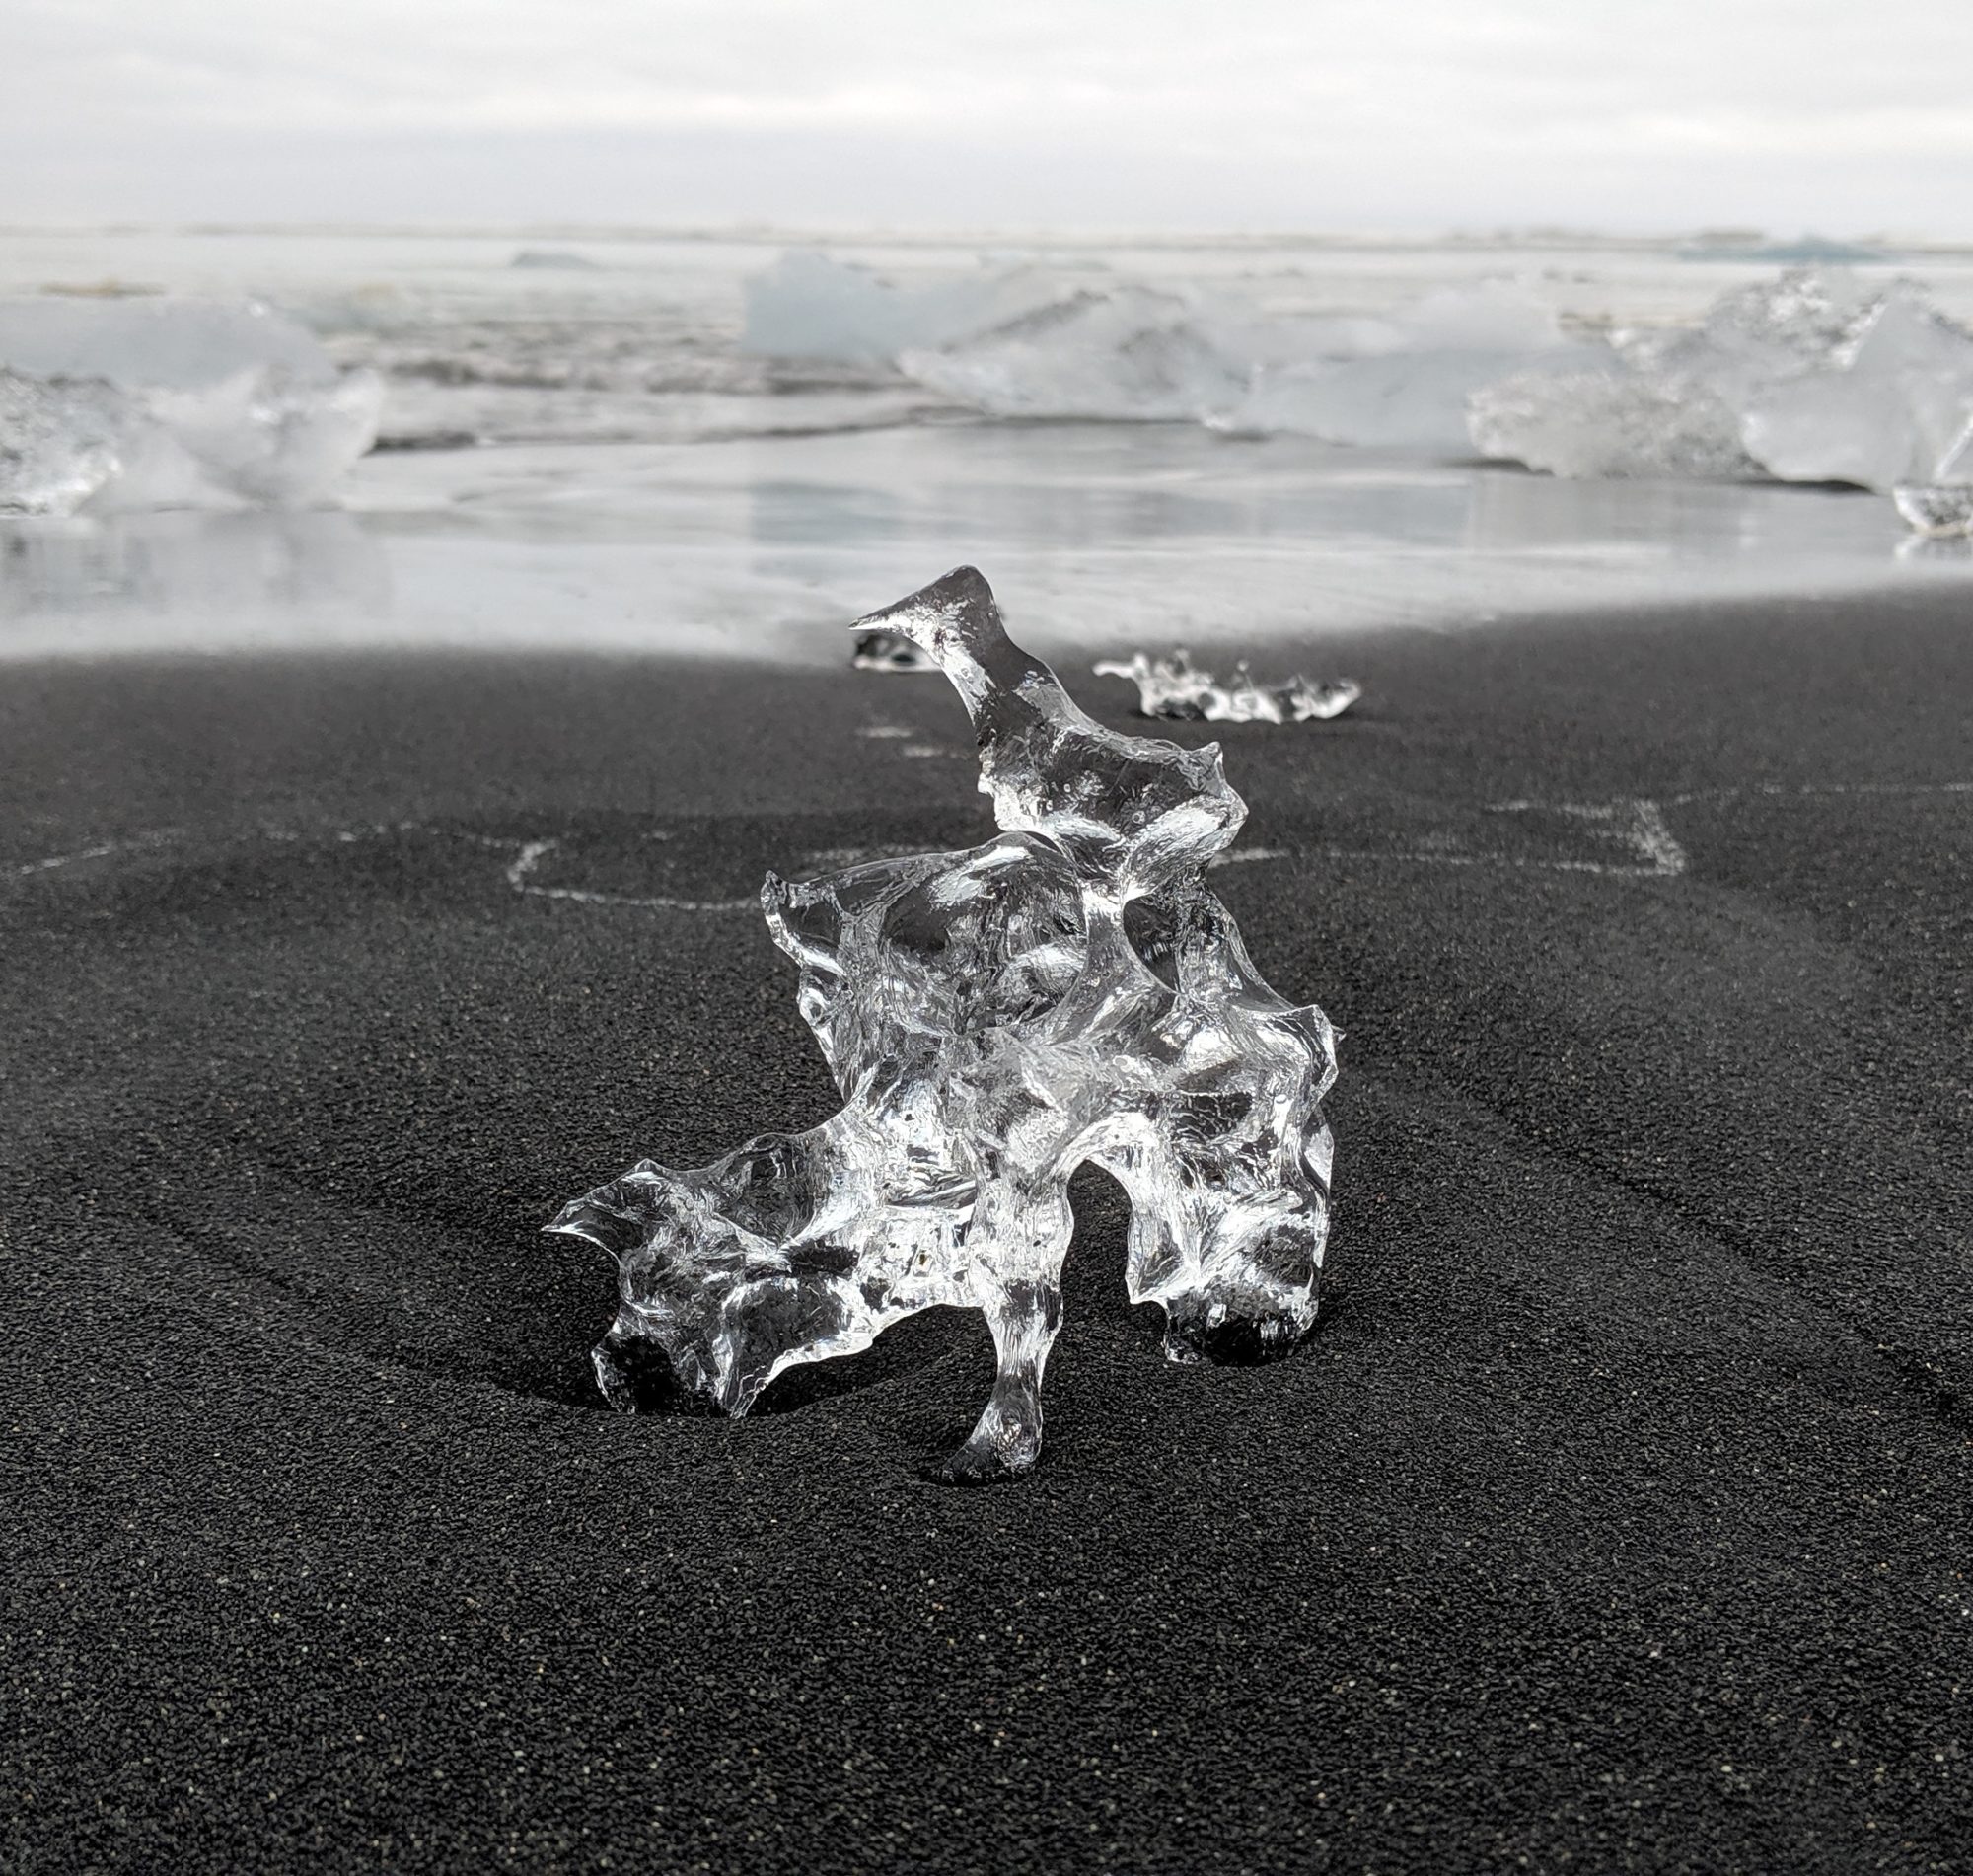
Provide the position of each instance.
(1618, 1516)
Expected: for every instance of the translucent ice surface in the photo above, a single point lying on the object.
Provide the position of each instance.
(1402, 381)
(1811, 378)
(886, 651)
(1609, 423)
(58, 443)
(170, 401)
(1069, 992)
(1174, 687)
(1941, 510)
(1134, 355)
(811, 306)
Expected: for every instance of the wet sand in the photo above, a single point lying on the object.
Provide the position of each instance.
(1617, 1515)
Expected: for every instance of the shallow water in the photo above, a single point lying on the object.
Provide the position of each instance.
(1099, 539)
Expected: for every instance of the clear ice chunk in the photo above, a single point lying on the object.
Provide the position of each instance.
(178, 401)
(1401, 381)
(1175, 688)
(1069, 992)
(1605, 423)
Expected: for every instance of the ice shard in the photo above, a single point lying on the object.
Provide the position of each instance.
(1176, 687)
(1068, 994)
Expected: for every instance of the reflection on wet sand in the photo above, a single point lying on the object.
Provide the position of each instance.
(1112, 537)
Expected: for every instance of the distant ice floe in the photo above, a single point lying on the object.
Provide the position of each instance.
(1174, 687)
(164, 402)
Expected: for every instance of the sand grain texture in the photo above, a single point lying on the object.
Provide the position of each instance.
(1617, 1518)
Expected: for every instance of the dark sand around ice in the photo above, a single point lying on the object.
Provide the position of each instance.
(1618, 1516)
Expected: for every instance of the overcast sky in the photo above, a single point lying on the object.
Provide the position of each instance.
(1401, 115)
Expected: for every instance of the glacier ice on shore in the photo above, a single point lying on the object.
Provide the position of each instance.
(1069, 992)
(1401, 381)
(1173, 687)
(166, 402)
(1809, 378)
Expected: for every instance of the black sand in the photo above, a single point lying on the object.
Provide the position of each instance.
(1618, 1518)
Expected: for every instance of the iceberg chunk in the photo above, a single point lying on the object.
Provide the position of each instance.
(810, 306)
(1942, 511)
(1402, 381)
(1133, 355)
(1069, 992)
(1812, 378)
(174, 400)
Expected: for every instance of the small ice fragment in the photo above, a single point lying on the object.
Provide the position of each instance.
(1317, 702)
(1068, 994)
(886, 651)
(554, 259)
(1941, 511)
(1176, 687)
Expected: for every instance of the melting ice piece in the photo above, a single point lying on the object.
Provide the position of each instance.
(1809, 378)
(184, 399)
(1943, 511)
(1069, 992)
(1174, 687)
(888, 651)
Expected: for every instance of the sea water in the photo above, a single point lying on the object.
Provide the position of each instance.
(592, 442)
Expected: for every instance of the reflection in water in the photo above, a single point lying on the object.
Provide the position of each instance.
(183, 578)
(1103, 539)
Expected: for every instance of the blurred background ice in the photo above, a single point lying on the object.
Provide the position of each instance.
(628, 382)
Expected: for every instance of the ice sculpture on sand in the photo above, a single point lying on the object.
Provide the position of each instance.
(158, 402)
(1069, 992)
